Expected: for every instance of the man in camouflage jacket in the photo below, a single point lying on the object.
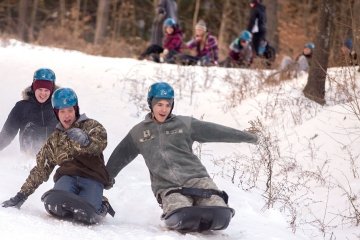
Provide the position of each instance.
(76, 147)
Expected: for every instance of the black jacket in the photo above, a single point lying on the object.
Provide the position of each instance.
(36, 121)
(257, 12)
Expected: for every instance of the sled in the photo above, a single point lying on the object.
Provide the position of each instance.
(69, 206)
(199, 218)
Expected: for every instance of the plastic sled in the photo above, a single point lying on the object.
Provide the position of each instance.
(69, 206)
(199, 218)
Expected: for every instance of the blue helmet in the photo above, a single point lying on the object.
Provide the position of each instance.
(160, 90)
(245, 36)
(169, 22)
(64, 98)
(310, 45)
(45, 74)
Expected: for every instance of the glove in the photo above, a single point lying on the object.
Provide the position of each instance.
(16, 201)
(110, 184)
(79, 136)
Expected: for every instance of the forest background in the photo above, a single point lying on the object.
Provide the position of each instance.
(121, 28)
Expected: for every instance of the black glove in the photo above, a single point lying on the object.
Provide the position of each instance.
(16, 201)
(79, 136)
(110, 184)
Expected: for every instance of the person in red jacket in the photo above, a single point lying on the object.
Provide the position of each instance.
(171, 44)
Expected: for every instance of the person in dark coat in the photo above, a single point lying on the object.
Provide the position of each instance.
(171, 44)
(165, 9)
(257, 26)
(33, 116)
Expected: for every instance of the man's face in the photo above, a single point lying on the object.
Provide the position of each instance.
(67, 117)
(42, 94)
(161, 110)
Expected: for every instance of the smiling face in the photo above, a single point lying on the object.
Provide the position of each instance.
(169, 30)
(42, 94)
(67, 117)
(161, 110)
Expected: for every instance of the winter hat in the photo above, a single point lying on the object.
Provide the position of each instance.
(348, 43)
(43, 84)
(201, 25)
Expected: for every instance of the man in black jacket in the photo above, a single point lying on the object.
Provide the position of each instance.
(257, 26)
(33, 115)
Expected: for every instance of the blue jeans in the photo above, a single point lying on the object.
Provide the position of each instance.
(89, 189)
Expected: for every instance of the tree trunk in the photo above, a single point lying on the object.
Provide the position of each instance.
(62, 6)
(315, 87)
(33, 20)
(77, 6)
(23, 19)
(102, 18)
(272, 33)
(196, 13)
(229, 27)
(356, 26)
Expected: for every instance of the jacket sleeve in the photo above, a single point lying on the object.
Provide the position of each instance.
(97, 136)
(122, 155)
(213, 48)
(202, 131)
(45, 164)
(11, 127)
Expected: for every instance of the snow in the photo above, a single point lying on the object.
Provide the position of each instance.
(312, 139)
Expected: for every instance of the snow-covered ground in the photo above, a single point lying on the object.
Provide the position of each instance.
(317, 145)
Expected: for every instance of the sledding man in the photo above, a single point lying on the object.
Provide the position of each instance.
(76, 147)
(179, 180)
(33, 115)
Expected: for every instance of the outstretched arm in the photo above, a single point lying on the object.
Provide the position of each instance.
(10, 128)
(122, 155)
(211, 132)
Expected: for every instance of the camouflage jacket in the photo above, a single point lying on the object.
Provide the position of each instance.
(72, 159)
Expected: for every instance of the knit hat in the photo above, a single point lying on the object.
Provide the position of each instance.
(43, 84)
(201, 25)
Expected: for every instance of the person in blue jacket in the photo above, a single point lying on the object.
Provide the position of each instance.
(33, 116)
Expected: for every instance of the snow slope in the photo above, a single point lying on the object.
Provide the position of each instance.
(113, 91)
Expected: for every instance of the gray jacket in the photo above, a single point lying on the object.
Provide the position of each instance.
(167, 148)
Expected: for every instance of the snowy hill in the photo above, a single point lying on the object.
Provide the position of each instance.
(312, 150)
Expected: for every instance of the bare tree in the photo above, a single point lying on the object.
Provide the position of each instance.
(102, 18)
(356, 25)
(196, 12)
(230, 26)
(62, 5)
(23, 19)
(272, 22)
(33, 20)
(315, 87)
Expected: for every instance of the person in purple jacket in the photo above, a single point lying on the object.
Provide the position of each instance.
(171, 44)
(205, 46)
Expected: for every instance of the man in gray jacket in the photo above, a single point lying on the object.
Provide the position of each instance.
(165, 141)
